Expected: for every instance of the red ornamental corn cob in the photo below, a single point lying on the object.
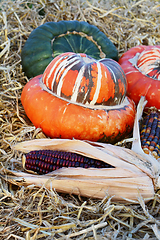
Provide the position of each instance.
(150, 133)
(45, 161)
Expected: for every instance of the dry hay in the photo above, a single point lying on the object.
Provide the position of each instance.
(33, 213)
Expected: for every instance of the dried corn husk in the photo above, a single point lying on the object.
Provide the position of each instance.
(135, 175)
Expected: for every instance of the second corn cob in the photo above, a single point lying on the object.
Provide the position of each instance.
(150, 133)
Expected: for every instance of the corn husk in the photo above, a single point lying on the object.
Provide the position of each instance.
(135, 174)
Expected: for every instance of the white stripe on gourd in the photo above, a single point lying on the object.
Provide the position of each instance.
(96, 95)
(77, 84)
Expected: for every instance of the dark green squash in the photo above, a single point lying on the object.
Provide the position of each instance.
(53, 38)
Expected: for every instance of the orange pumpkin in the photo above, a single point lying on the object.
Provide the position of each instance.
(80, 97)
(141, 65)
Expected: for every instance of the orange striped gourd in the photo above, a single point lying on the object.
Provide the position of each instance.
(82, 98)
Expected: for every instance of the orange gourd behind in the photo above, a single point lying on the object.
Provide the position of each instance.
(141, 65)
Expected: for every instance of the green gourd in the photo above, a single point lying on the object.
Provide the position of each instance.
(54, 38)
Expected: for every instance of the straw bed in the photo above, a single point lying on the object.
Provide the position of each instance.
(39, 213)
